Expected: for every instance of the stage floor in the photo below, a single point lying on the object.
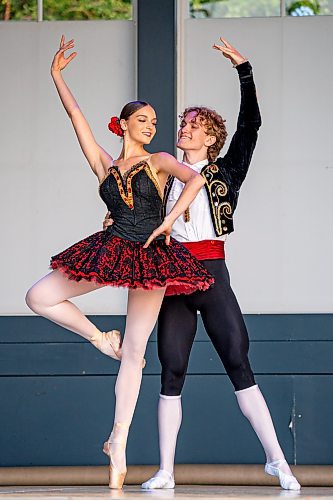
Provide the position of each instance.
(181, 492)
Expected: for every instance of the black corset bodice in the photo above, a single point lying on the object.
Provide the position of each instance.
(134, 200)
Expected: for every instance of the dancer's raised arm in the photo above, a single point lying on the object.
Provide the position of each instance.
(98, 159)
(238, 157)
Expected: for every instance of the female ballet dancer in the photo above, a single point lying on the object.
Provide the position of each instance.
(136, 252)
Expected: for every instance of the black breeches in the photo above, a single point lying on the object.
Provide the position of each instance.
(224, 324)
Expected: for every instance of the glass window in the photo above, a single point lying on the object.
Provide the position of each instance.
(66, 10)
(309, 7)
(81, 10)
(259, 8)
(235, 8)
(18, 10)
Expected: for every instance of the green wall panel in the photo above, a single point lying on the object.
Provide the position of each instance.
(57, 395)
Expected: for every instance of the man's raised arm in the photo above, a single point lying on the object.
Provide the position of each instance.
(236, 162)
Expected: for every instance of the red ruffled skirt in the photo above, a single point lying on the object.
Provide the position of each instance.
(114, 261)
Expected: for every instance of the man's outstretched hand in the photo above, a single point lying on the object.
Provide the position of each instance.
(229, 52)
(108, 221)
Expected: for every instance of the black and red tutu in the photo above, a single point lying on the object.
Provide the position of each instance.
(110, 260)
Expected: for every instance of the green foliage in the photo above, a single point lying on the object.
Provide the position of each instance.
(197, 4)
(198, 7)
(87, 9)
(19, 10)
(311, 6)
(239, 8)
(26, 10)
(74, 10)
(256, 8)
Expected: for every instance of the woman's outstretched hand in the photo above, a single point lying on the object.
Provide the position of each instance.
(164, 228)
(60, 61)
(229, 52)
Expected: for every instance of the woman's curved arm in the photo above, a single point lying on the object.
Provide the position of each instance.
(98, 159)
(163, 162)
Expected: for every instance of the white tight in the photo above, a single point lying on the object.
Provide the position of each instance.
(169, 422)
(254, 408)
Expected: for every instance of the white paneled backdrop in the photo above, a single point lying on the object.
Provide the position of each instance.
(280, 255)
(49, 196)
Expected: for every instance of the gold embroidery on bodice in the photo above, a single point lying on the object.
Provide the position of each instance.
(124, 181)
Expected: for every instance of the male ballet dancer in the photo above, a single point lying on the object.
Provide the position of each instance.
(203, 229)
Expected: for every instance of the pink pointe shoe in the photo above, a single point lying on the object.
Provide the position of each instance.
(116, 477)
(108, 343)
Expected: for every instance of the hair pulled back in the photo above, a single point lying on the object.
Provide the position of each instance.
(130, 108)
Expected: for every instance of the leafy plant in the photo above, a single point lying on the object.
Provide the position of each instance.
(304, 8)
(74, 10)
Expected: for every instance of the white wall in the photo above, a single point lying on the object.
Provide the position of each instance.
(280, 255)
(49, 196)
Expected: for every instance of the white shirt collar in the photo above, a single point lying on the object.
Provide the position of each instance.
(197, 166)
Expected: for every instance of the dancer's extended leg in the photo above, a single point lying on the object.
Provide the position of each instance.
(142, 311)
(225, 326)
(49, 298)
(254, 407)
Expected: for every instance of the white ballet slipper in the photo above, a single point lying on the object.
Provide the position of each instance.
(287, 481)
(161, 480)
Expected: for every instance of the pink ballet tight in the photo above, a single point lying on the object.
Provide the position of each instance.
(49, 298)
(142, 311)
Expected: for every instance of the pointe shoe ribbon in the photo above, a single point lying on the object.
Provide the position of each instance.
(287, 481)
(116, 478)
(108, 343)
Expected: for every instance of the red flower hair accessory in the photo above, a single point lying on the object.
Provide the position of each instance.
(114, 126)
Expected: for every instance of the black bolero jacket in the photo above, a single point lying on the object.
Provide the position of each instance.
(225, 176)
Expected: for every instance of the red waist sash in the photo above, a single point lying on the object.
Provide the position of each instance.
(206, 249)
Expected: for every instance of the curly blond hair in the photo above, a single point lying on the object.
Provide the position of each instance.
(213, 124)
